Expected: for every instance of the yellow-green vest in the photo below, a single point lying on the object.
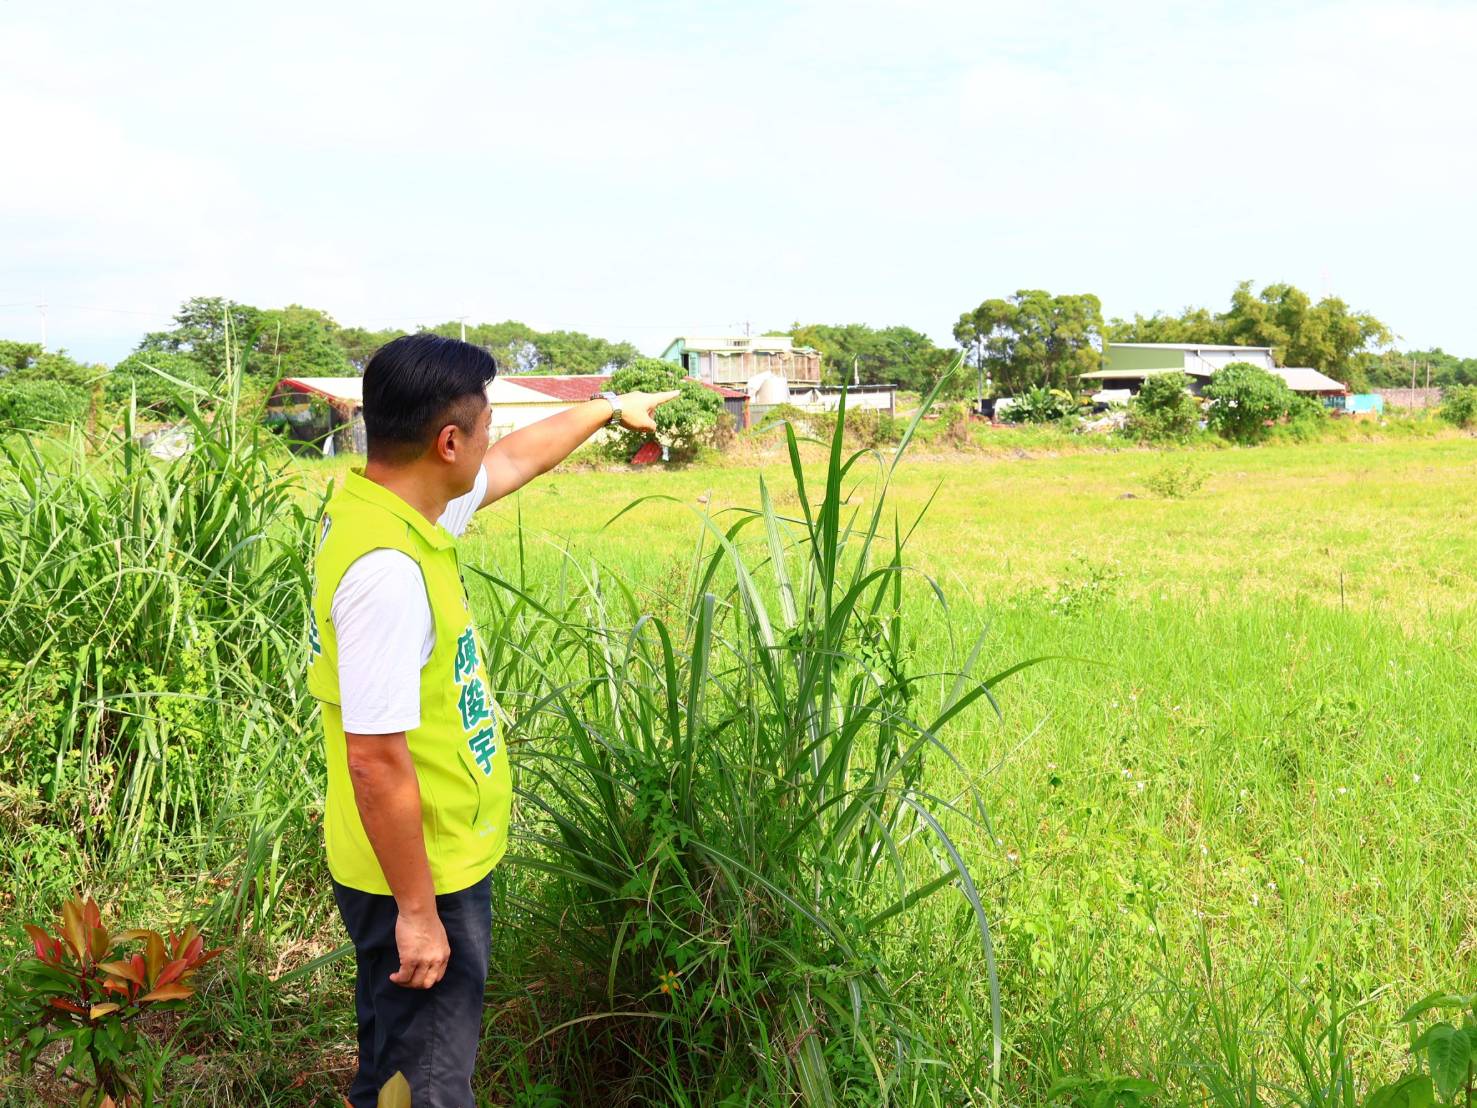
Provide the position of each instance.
(460, 761)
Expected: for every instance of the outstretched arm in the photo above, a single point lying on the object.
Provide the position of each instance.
(532, 451)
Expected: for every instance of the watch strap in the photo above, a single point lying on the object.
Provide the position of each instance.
(615, 405)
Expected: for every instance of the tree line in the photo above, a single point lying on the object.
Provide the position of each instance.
(1029, 339)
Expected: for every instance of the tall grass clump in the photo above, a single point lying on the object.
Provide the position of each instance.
(151, 631)
(725, 824)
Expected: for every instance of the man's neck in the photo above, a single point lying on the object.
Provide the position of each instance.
(411, 484)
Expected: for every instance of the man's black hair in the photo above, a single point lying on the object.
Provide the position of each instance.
(417, 384)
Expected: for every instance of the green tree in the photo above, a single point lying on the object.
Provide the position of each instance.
(1192, 325)
(511, 343)
(681, 424)
(299, 342)
(574, 352)
(519, 348)
(142, 376)
(1245, 399)
(17, 355)
(1033, 339)
(201, 329)
(887, 355)
(56, 365)
(1394, 369)
(360, 344)
(1326, 335)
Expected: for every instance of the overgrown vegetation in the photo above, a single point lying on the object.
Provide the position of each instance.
(1459, 405)
(1041, 405)
(1163, 410)
(683, 424)
(1208, 861)
(1245, 401)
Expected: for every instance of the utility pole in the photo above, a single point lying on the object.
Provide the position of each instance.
(463, 320)
(42, 309)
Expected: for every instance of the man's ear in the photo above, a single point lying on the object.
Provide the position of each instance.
(447, 442)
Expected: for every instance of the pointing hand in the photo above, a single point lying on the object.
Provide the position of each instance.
(636, 408)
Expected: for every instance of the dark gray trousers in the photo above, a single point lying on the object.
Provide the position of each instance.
(429, 1035)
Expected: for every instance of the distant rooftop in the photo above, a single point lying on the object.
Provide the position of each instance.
(571, 387)
(574, 387)
(349, 389)
(1188, 346)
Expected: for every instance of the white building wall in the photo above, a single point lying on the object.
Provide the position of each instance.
(1208, 361)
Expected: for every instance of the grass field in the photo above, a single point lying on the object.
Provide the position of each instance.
(1227, 807)
(1257, 731)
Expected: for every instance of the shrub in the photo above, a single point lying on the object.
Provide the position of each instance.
(683, 424)
(875, 428)
(1041, 405)
(1164, 410)
(1459, 405)
(27, 404)
(53, 366)
(1245, 399)
(1175, 482)
(80, 991)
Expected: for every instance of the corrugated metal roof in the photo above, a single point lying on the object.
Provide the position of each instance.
(568, 388)
(1187, 346)
(573, 388)
(1135, 374)
(347, 389)
(576, 387)
(1301, 378)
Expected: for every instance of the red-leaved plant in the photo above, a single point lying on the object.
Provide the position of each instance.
(80, 990)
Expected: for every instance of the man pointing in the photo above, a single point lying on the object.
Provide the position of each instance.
(419, 792)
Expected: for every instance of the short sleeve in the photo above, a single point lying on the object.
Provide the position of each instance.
(459, 512)
(381, 622)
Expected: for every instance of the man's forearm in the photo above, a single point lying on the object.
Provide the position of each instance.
(539, 447)
(517, 459)
(389, 800)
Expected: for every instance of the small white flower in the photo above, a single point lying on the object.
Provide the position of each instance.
(1245, 793)
(1416, 777)
(1128, 774)
(1140, 786)
(1342, 790)
(1255, 900)
(1204, 850)
(1012, 857)
(1272, 885)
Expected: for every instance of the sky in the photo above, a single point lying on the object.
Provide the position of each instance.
(642, 170)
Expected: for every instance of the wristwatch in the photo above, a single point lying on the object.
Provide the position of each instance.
(615, 406)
